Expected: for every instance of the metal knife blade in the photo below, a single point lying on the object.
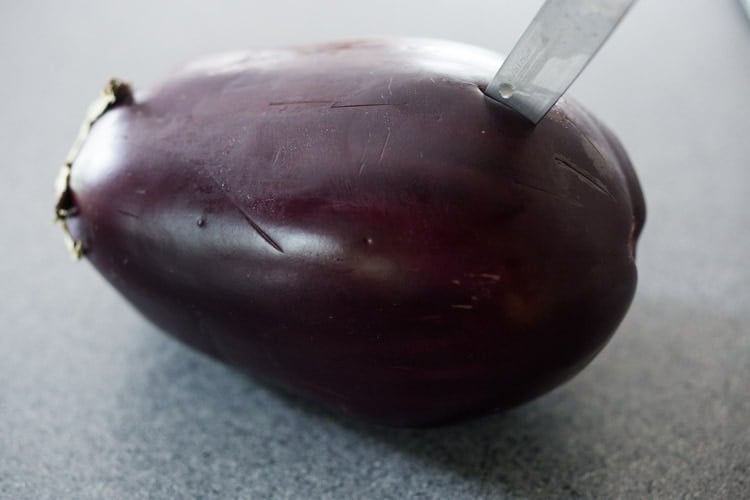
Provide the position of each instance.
(558, 44)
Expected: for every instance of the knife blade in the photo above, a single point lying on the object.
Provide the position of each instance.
(558, 44)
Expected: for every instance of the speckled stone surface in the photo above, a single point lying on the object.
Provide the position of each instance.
(96, 403)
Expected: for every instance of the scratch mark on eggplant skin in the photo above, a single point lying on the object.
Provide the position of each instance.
(581, 134)
(261, 232)
(362, 162)
(370, 105)
(490, 276)
(556, 196)
(300, 102)
(276, 157)
(330, 104)
(584, 176)
(591, 143)
(126, 213)
(385, 145)
(258, 229)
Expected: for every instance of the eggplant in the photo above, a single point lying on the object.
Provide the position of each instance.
(357, 223)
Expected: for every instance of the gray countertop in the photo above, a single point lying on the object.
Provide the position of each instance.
(95, 402)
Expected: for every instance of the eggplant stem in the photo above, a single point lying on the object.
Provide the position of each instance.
(115, 93)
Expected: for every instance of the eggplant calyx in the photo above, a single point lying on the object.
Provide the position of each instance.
(115, 93)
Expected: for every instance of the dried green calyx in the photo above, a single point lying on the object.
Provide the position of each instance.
(115, 93)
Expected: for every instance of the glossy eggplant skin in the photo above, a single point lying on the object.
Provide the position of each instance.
(359, 224)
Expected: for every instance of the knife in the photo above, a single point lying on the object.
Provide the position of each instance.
(558, 44)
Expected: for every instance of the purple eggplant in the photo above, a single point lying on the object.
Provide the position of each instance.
(359, 224)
